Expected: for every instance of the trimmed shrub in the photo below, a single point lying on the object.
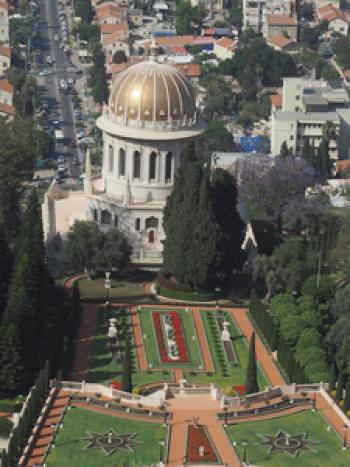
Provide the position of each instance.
(324, 292)
(5, 427)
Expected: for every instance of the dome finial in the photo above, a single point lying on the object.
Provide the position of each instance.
(153, 51)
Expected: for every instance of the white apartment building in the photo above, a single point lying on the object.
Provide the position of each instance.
(4, 23)
(254, 11)
(309, 105)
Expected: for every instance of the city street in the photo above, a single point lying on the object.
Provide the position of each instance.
(59, 101)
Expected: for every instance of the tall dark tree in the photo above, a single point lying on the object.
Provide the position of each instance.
(333, 378)
(127, 367)
(13, 379)
(5, 269)
(307, 152)
(284, 152)
(324, 164)
(97, 76)
(340, 387)
(346, 406)
(251, 384)
(232, 228)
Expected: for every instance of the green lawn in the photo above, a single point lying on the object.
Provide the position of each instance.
(327, 452)
(122, 290)
(150, 341)
(69, 450)
(232, 376)
(101, 368)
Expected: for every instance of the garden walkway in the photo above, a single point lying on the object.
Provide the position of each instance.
(264, 357)
(80, 368)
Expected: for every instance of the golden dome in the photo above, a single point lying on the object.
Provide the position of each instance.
(151, 94)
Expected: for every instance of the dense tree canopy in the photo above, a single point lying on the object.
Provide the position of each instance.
(97, 75)
(88, 249)
(203, 247)
(186, 14)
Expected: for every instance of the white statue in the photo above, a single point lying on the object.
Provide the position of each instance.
(225, 335)
(112, 330)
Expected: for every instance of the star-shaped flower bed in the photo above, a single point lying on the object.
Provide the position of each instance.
(285, 442)
(111, 441)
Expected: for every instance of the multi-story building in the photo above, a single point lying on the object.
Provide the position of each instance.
(307, 107)
(5, 59)
(255, 11)
(6, 98)
(281, 25)
(4, 23)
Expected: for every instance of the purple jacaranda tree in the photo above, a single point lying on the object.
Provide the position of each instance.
(268, 189)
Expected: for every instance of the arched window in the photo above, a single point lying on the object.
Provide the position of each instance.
(152, 166)
(137, 164)
(121, 168)
(110, 158)
(169, 166)
(152, 223)
(151, 236)
(138, 224)
(95, 215)
(106, 217)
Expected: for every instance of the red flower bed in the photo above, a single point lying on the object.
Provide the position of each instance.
(180, 340)
(197, 436)
(240, 389)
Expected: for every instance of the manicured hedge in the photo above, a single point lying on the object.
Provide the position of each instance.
(5, 427)
(9, 406)
(187, 296)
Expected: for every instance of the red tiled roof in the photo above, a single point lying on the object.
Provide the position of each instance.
(276, 101)
(107, 11)
(5, 51)
(108, 28)
(226, 42)
(6, 86)
(4, 6)
(279, 41)
(192, 70)
(7, 109)
(342, 165)
(208, 31)
(174, 41)
(110, 38)
(281, 20)
(330, 13)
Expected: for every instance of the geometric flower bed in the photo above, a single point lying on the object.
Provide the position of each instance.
(111, 441)
(199, 446)
(170, 338)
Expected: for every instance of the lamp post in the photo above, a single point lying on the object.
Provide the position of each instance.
(345, 438)
(225, 411)
(244, 457)
(217, 290)
(107, 286)
(161, 446)
(165, 415)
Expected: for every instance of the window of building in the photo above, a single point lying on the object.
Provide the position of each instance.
(168, 166)
(137, 164)
(121, 162)
(151, 236)
(95, 215)
(152, 223)
(106, 217)
(291, 137)
(116, 220)
(110, 158)
(297, 97)
(152, 166)
(138, 224)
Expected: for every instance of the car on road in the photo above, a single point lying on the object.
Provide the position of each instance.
(72, 145)
(66, 48)
(63, 84)
(76, 161)
(49, 60)
(71, 80)
(61, 45)
(80, 135)
(56, 37)
(60, 159)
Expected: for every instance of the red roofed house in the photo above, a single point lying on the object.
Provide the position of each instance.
(276, 102)
(5, 59)
(6, 98)
(109, 14)
(337, 21)
(111, 43)
(4, 22)
(190, 70)
(280, 43)
(174, 41)
(280, 25)
(121, 29)
(224, 48)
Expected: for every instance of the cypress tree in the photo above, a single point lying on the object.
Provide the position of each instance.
(333, 378)
(251, 383)
(127, 367)
(346, 406)
(307, 151)
(284, 151)
(13, 378)
(340, 387)
(324, 162)
(5, 269)
(232, 229)
(274, 337)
